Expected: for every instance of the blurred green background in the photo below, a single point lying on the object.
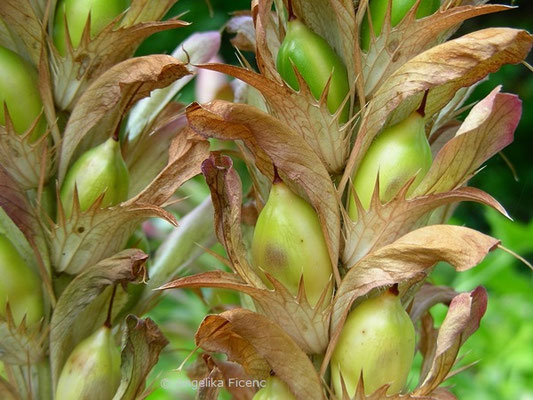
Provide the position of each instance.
(503, 346)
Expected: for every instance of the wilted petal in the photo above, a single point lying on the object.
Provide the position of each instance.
(259, 345)
(463, 319)
(488, 128)
(104, 103)
(143, 344)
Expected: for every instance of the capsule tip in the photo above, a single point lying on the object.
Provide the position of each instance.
(277, 178)
(292, 17)
(422, 109)
(394, 290)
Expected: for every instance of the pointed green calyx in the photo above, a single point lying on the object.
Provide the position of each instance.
(316, 62)
(99, 170)
(398, 154)
(19, 285)
(92, 371)
(19, 91)
(288, 243)
(275, 389)
(76, 13)
(377, 340)
(399, 9)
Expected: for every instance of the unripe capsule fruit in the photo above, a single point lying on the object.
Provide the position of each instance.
(19, 90)
(316, 62)
(76, 13)
(398, 153)
(19, 285)
(400, 8)
(92, 371)
(288, 243)
(275, 389)
(377, 339)
(100, 169)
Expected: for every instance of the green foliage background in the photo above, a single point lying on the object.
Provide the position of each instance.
(502, 349)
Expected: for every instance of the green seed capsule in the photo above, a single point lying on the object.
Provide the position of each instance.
(316, 61)
(275, 389)
(378, 339)
(92, 371)
(400, 8)
(398, 153)
(100, 169)
(76, 13)
(19, 90)
(288, 242)
(19, 285)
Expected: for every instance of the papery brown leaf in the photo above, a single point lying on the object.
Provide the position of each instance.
(259, 345)
(441, 70)
(272, 143)
(267, 37)
(301, 112)
(25, 161)
(143, 344)
(71, 322)
(427, 296)
(22, 20)
(90, 236)
(232, 372)
(407, 260)
(104, 103)
(186, 154)
(73, 73)
(226, 195)
(411, 37)
(463, 319)
(384, 223)
(306, 325)
(489, 128)
(210, 391)
(196, 49)
(215, 334)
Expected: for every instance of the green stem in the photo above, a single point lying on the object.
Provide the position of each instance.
(45, 379)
